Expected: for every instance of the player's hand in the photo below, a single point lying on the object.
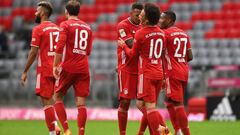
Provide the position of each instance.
(121, 43)
(23, 78)
(56, 72)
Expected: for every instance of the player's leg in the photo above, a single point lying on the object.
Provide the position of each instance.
(61, 111)
(81, 89)
(171, 109)
(127, 91)
(144, 123)
(123, 115)
(45, 89)
(82, 114)
(176, 98)
(49, 114)
(61, 87)
(173, 117)
(155, 120)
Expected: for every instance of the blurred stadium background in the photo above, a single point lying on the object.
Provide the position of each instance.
(213, 25)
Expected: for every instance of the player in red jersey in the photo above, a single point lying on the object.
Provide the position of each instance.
(177, 57)
(44, 38)
(127, 67)
(149, 44)
(76, 40)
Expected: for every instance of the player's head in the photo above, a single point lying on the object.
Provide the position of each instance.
(167, 19)
(44, 9)
(135, 12)
(72, 8)
(150, 15)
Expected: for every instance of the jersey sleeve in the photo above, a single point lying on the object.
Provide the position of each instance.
(124, 32)
(134, 52)
(62, 38)
(36, 37)
(89, 49)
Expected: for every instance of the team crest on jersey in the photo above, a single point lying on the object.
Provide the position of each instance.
(122, 33)
(125, 91)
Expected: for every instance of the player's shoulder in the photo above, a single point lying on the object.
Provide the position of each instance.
(175, 31)
(123, 23)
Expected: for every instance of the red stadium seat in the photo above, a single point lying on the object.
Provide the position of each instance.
(164, 7)
(60, 19)
(219, 24)
(233, 33)
(89, 18)
(185, 25)
(29, 13)
(210, 34)
(7, 23)
(122, 17)
(17, 12)
(106, 35)
(227, 6)
(107, 27)
(6, 3)
(171, 1)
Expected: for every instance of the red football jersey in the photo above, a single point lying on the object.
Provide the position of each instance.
(76, 43)
(149, 44)
(176, 55)
(126, 30)
(45, 36)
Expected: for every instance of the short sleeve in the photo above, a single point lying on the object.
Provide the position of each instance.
(62, 39)
(124, 32)
(36, 38)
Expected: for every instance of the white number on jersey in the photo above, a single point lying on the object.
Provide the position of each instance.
(178, 42)
(156, 48)
(51, 34)
(82, 43)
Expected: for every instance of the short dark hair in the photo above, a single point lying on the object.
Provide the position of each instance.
(137, 5)
(73, 7)
(47, 5)
(171, 15)
(152, 13)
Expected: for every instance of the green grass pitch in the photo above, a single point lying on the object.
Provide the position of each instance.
(10, 127)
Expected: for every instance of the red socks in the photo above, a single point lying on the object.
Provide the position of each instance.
(173, 118)
(183, 121)
(81, 119)
(144, 122)
(50, 117)
(61, 113)
(123, 117)
(153, 121)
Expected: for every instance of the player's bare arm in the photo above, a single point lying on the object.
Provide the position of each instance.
(189, 55)
(129, 43)
(31, 57)
(57, 60)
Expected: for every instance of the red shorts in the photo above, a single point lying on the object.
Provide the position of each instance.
(80, 82)
(175, 89)
(127, 84)
(148, 89)
(45, 86)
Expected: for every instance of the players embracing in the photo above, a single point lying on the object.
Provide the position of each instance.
(149, 45)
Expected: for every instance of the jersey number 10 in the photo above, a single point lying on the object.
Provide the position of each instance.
(154, 47)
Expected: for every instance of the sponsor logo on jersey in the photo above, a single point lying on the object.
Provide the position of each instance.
(122, 33)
